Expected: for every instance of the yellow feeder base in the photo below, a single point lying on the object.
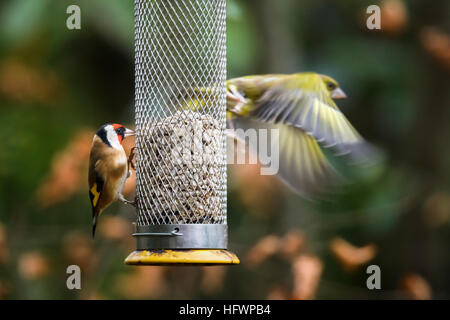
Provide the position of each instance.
(182, 257)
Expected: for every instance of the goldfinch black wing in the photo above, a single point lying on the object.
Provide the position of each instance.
(96, 184)
(302, 164)
(308, 106)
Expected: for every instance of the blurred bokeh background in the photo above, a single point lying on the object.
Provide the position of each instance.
(58, 86)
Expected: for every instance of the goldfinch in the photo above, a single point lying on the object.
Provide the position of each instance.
(108, 168)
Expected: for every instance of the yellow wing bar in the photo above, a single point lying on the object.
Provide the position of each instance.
(95, 194)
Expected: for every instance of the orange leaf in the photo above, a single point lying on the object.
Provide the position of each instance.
(307, 271)
(415, 287)
(437, 44)
(266, 247)
(33, 265)
(352, 257)
(292, 243)
(212, 279)
(68, 173)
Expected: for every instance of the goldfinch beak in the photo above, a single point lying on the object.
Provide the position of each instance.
(129, 132)
(338, 94)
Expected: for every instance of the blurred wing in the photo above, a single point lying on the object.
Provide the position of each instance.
(197, 99)
(314, 112)
(302, 164)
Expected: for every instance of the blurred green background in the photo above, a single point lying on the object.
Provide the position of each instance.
(58, 86)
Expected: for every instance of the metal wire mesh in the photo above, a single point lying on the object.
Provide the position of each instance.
(180, 50)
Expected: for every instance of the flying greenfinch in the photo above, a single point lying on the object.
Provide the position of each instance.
(301, 106)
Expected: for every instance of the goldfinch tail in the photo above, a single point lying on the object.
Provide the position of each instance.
(94, 225)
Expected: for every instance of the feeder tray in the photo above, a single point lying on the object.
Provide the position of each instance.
(182, 257)
(180, 58)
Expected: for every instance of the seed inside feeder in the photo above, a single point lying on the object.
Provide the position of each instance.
(185, 169)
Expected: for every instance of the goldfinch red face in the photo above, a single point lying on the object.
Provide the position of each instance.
(122, 132)
(113, 134)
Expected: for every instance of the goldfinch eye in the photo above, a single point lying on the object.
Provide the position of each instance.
(331, 86)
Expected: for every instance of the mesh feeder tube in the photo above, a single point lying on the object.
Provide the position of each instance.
(180, 102)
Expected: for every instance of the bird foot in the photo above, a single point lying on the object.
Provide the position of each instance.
(238, 98)
(131, 157)
(237, 109)
(133, 203)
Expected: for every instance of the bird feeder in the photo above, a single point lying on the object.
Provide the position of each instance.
(180, 101)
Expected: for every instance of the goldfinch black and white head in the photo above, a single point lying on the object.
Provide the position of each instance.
(108, 168)
(113, 134)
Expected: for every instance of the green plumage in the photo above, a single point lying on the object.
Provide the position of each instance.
(302, 108)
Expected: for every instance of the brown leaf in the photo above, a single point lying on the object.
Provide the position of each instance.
(415, 287)
(213, 279)
(4, 252)
(436, 209)
(68, 173)
(24, 83)
(352, 257)
(264, 248)
(437, 44)
(278, 293)
(292, 243)
(394, 16)
(33, 265)
(4, 290)
(307, 271)
(142, 283)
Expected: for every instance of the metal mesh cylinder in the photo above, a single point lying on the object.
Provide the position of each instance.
(180, 50)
